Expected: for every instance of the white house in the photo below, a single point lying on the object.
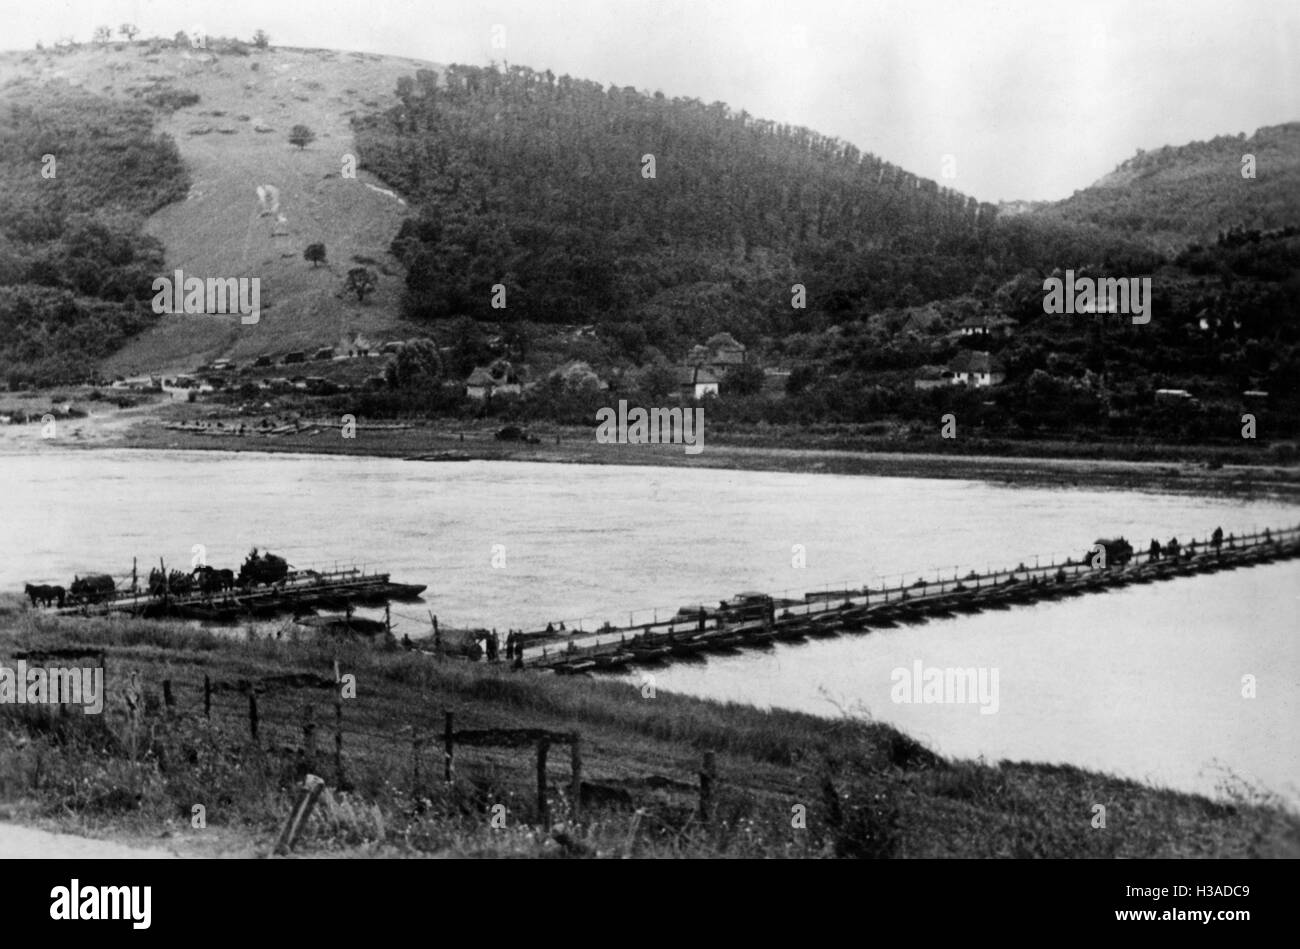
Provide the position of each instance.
(977, 369)
(695, 382)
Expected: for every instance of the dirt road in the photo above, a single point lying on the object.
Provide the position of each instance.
(27, 842)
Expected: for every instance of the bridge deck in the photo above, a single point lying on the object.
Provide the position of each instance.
(821, 614)
(300, 589)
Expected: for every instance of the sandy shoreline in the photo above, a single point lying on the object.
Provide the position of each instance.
(143, 427)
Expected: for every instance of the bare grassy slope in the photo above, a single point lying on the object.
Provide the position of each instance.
(867, 790)
(219, 229)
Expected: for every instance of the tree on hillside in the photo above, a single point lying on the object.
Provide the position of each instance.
(658, 380)
(261, 40)
(103, 34)
(301, 136)
(315, 253)
(417, 363)
(361, 280)
(745, 379)
(129, 30)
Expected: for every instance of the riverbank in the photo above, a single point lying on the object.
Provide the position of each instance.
(1143, 467)
(787, 784)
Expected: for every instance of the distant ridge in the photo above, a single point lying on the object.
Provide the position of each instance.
(1176, 195)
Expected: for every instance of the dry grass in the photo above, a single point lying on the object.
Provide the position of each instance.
(792, 785)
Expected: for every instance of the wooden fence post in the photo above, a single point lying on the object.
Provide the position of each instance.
(707, 775)
(134, 706)
(207, 696)
(338, 739)
(543, 809)
(575, 760)
(307, 795)
(448, 751)
(309, 737)
(416, 743)
(252, 712)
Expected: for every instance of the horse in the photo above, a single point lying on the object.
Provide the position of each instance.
(210, 580)
(46, 595)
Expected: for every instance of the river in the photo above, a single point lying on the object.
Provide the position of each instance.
(1144, 682)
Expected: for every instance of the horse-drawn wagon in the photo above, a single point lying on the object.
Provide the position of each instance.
(1116, 553)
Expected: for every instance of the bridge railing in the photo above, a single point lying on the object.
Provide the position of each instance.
(832, 597)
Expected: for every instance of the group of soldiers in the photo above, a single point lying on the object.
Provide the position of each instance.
(514, 647)
(1172, 548)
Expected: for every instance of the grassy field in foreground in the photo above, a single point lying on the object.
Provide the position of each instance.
(790, 785)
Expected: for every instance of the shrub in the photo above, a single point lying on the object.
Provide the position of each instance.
(301, 136)
(170, 100)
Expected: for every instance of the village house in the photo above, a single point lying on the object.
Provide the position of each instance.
(695, 382)
(722, 353)
(987, 326)
(976, 368)
(497, 379)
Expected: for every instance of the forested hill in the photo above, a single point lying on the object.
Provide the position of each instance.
(78, 175)
(1189, 193)
(541, 183)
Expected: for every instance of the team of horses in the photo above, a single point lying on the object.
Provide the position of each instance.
(265, 569)
(45, 595)
(205, 579)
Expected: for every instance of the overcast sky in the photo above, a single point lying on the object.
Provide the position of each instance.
(1034, 99)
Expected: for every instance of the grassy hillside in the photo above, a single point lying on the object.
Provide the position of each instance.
(218, 229)
(866, 790)
(472, 177)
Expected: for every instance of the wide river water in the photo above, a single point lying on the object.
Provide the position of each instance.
(1145, 682)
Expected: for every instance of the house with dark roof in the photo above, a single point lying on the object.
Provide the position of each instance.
(695, 382)
(720, 354)
(977, 369)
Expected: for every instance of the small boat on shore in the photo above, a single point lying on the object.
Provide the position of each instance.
(404, 591)
(344, 625)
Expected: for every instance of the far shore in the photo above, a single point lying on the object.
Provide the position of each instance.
(1175, 469)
